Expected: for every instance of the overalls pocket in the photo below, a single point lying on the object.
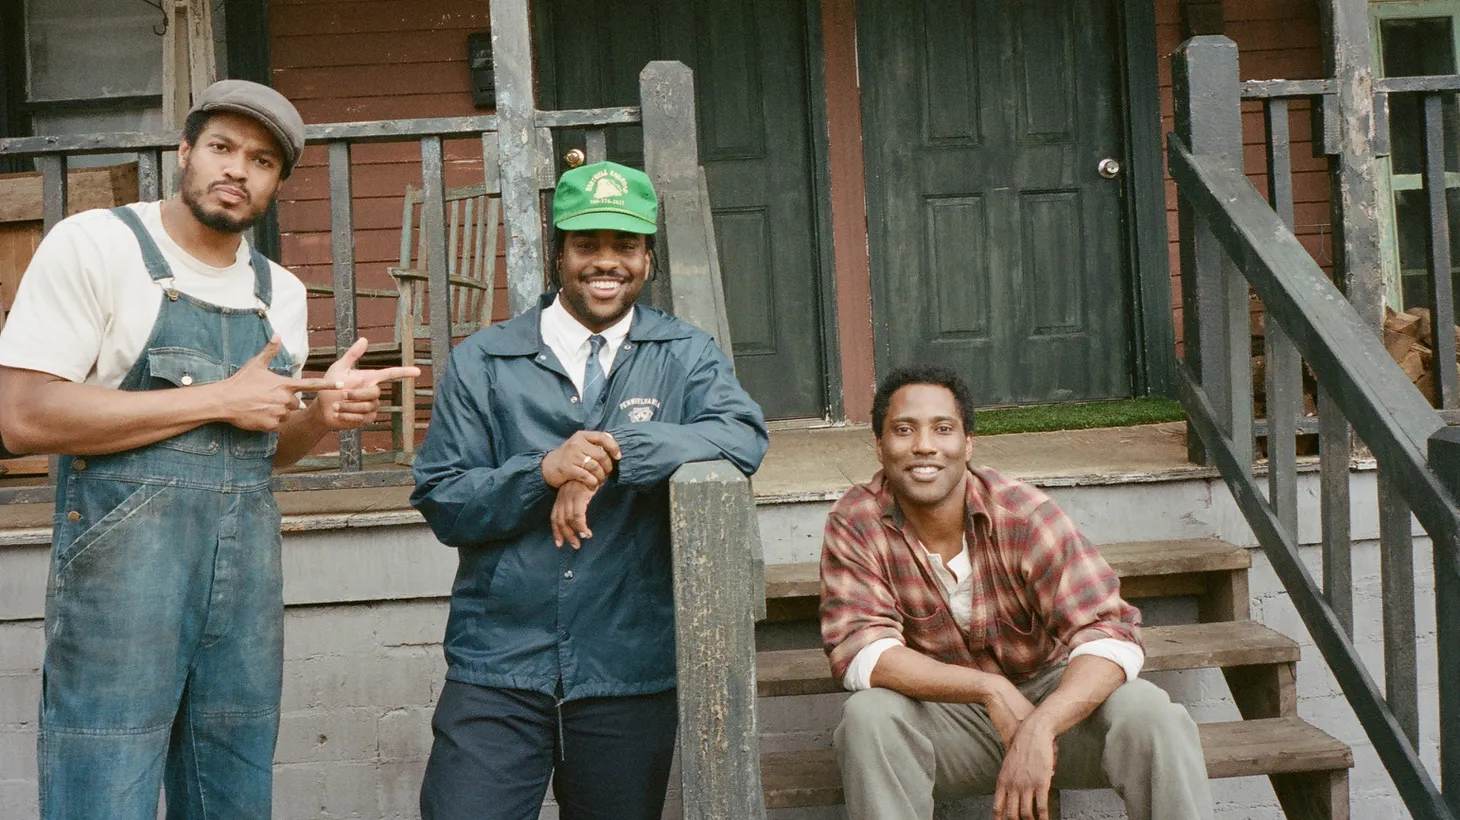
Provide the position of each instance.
(110, 507)
(173, 367)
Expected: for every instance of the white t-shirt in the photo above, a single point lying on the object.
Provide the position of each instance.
(86, 305)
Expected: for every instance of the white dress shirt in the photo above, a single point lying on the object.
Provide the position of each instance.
(567, 338)
(956, 579)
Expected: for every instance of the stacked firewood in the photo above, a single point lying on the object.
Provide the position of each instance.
(1409, 338)
(1259, 369)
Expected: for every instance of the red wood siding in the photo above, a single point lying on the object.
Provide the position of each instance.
(352, 60)
(1276, 39)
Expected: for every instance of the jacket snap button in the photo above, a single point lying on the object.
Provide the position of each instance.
(79, 464)
(186, 380)
(568, 574)
(73, 516)
(574, 400)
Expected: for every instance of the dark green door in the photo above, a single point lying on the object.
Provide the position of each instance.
(997, 245)
(749, 62)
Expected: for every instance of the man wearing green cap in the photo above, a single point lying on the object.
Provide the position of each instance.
(552, 439)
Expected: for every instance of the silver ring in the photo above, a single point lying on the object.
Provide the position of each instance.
(587, 460)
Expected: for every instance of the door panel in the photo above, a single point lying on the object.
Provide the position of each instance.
(751, 86)
(997, 248)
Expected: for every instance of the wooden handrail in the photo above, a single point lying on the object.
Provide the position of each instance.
(1232, 240)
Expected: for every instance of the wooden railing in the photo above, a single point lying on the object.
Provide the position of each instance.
(718, 574)
(1234, 243)
(691, 289)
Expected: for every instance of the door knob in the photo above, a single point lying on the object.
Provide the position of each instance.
(1108, 168)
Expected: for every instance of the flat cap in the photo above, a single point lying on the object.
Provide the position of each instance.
(263, 104)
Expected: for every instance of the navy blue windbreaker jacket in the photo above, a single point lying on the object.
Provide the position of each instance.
(524, 613)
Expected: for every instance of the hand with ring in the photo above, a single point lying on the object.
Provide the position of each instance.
(588, 456)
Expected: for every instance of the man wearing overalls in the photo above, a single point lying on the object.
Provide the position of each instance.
(161, 355)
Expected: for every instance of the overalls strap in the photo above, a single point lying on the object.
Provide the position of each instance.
(157, 267)
(151, 254)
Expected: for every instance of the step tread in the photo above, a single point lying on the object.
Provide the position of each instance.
(1128, 559)
(1187, 646)
(1242, 748)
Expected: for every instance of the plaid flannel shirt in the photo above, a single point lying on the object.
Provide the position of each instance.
(1039, 589)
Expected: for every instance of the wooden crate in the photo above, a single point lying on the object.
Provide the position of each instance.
(21, 212)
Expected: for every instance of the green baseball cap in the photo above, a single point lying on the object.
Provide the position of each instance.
(605, 196)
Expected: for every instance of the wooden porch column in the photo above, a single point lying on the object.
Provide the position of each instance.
(1359, 268)
(516, 114)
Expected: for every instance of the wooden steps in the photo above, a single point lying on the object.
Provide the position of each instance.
(1242, 748)
(1190, 646)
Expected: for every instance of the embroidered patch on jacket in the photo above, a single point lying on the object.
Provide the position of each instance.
(640, 409)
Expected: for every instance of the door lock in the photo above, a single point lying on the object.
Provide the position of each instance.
(1108, 168)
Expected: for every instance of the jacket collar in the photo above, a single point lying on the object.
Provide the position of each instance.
(522, 336)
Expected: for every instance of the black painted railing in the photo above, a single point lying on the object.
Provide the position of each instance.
(1234, 243)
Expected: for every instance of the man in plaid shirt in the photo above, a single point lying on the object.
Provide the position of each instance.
(984, 639)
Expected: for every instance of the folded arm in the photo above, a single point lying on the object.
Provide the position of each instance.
(723, 422)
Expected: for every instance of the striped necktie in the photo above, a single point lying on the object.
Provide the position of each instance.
(593, 381)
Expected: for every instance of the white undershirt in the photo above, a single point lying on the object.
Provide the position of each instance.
(956, 580)
(567, 338)
(86, 306)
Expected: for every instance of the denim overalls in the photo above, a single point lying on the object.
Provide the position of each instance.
(164, 611)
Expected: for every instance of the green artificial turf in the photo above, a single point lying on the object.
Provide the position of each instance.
(1123, 413)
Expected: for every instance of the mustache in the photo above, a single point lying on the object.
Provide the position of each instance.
(226, 184)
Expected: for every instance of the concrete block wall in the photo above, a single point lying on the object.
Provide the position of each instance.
(360, 682)
(366, 613)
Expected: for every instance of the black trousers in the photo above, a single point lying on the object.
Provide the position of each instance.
(495, 750)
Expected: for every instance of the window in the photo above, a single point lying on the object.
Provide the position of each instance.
(97, 66)
(1415, 39)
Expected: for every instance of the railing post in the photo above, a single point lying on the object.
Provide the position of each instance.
(438, 253)
(1214, 296)
(54, 196)
(713, 530)
(1444, 453)
(1442, 292)
(342, 247)
(1349, 61)
(671, 158)
(1282, 365)
(516, 118)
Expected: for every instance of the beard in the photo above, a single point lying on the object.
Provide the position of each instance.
(221, 221)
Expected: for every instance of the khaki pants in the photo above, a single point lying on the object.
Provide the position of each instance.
(898, 755)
